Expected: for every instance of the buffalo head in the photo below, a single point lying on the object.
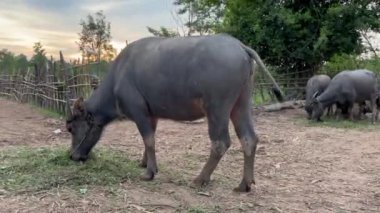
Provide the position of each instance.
(317, 110)
(310, 103)
(84, 130)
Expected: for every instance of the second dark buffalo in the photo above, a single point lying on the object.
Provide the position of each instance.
(347, 88)
(315, 86)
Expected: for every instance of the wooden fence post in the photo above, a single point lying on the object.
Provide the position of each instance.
(65, 84)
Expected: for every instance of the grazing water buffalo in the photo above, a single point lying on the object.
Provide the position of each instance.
(315, 86)
(347, 88)
(179, 79)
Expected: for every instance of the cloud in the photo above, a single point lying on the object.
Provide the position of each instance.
(56, 23)
(94, 6)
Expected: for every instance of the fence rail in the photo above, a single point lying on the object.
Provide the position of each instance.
(52, 86)
(61, 82)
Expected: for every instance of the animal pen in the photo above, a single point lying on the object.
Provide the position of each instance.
(57, 84)
(52, 86)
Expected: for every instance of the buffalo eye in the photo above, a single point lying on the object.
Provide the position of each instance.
(69, 127)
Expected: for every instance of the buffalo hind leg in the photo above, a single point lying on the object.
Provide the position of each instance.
(241, 119)
(220, 142)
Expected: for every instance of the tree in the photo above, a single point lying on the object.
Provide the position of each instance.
(7, 62)
(39, 60)
(39, 57)
(197, 16)
(202, 15)
(109, 52)
(12, 64)
(22, 64)
(95, 37)
(301, 35)
(163, 32)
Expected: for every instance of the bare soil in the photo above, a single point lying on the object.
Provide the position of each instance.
(298, 168)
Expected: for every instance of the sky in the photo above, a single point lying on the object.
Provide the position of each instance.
(55, 23)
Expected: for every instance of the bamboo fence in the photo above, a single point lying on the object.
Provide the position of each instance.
(58, 84)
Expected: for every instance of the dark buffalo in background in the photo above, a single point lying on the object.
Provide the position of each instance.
(315, 86)
(182, 78)
(347, 88)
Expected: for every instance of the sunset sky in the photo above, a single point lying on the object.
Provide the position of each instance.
(55, 23)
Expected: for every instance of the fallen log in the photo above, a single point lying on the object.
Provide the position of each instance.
(284, 105)
(199, 121)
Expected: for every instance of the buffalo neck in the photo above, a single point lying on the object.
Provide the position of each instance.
(102, 102)
(327, 98)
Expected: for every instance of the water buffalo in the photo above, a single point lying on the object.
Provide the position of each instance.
(315, 86)
(179, 79)
(347, 88)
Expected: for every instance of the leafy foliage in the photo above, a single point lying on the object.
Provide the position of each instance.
(342, 62)
(12, 64)
(198, 16)
(163, 32)
(95, 37)
(39, 57)
(202, 15)
(301, 35)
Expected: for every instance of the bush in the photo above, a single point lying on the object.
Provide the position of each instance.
(342, 62)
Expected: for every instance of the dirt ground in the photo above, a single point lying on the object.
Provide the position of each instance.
(298, 168)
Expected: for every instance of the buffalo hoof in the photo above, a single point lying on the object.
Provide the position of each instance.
(244, 187)
(199, 182)
(148, 176)
(143, 164)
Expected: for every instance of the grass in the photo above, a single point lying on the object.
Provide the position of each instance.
(46, 112)
(34, 169)
(340, 123)
(199, 209)
(259, 99)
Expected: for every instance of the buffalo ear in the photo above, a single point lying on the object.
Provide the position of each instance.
(315, 94)
(79, 106)
(314, 102)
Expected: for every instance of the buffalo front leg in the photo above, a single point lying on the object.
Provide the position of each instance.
(329, 111)
(351, 112)
(220, 142)
(144, 161)
(374, 107)
(241, 118)
(147, 129)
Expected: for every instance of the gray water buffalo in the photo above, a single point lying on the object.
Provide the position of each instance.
(347, 88)
(184, 78)
(315, 86)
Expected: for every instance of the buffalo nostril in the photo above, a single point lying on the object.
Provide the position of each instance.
(83, 158)
(75, 157)
(78, 157)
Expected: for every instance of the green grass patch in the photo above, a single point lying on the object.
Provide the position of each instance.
(25, 169)
(340, 123)
(199, 209)
(261, 97)
(46, 112)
